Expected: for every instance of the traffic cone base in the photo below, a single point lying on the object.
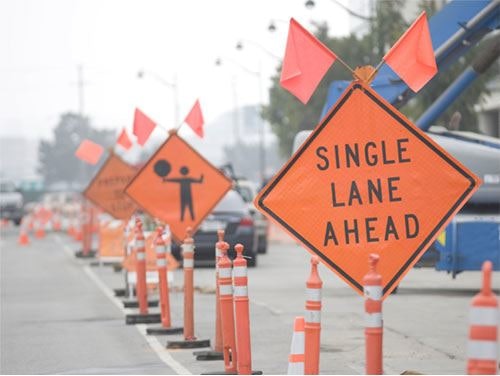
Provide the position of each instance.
(160, 330)
(208, 355)
(188, 344)
(135, 303)
(143, 318)
(89, 254)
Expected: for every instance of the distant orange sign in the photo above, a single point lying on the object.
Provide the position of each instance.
(111, 238)
(106, 189)
(178, 186)
(367, 181)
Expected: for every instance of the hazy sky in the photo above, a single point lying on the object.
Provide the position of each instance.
(44, 41)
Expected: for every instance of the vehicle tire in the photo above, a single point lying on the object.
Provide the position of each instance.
(262, 245)
(17, 221)
(252, 262)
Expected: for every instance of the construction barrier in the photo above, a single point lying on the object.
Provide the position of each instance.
(190, 341)
(482, 349)
(372, 287)
(297, 356)
(312, 326)
(162, 249)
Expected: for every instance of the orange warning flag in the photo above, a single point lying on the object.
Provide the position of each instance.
(412, 57)
(124, 140)
(178, 186)
(195, 119)
(89, 152)
(143, 126)
(106, 189)
(306, 62)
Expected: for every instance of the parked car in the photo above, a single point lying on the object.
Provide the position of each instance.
(233, 216)
(11, 202)
(248, 190)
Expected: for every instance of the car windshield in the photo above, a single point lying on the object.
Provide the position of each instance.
(246, 193)
(7, 187)
(232, 202)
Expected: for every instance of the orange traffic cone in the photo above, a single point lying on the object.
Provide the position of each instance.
(217, 352)
(482, 349)
(190, 341)
(296, 357)
(23, 237)
(40, 231)
(162, 248)
(312, 324)
(242, 313)
(374, 329)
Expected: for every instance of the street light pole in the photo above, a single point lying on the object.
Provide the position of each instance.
(258, 75)
(171, 85)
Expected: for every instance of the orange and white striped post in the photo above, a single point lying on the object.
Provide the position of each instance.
(227, 310)
(217, 352)
(190, 341)
(482, 351)
(312, 326)
(162, 249)
(374, 328)
(141, 285)
(242, 313)
(297, 357)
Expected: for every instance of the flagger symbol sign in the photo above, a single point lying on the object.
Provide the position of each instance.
(163, 168)
(178, 186)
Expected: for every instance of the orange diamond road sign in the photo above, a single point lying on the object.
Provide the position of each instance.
(106, 189)
(367, 181)
(178, 186)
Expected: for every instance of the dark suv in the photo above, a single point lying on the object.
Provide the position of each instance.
(233, 216)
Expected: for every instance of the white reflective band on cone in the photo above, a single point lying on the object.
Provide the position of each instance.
(188, 263)
(141, 256)
(484, 316)
(160, 249)
(313, 295)
(240, 291)
(187, 248)
(312, 316)
(161, 262)
(225, 289)
(239, 271)
(373, 320)
(295, 368)
(483, 350)
(224, 272)
(298, 343)
(373, 292)
(139, 244)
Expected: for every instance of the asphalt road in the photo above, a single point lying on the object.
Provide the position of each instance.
(59, 316)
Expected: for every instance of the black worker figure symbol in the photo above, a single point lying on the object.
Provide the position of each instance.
(162, 168)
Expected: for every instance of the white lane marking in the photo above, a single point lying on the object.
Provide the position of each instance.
(153, 342)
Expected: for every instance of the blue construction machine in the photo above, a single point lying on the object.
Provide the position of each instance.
(474, 234)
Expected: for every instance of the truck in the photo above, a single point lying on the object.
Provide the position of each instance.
(473, 236)
(11, 202)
